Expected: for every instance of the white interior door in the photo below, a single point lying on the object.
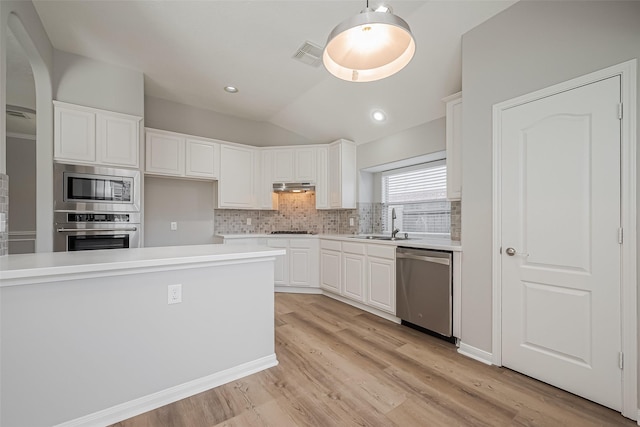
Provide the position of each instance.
(560, 196)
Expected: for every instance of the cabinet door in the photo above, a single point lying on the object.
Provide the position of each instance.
(74, 135)
(322, 183)
(202, 158)
(236, 185)
(353, 276)
(283, 165)
(381, 284)
(164, 154)
(330, 270)
(305, 164)
(117, 140)
(334, 176)
(281, 268)
(266, 197)
(454, 147)
(300, 266)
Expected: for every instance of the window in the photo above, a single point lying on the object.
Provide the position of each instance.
(419, 196)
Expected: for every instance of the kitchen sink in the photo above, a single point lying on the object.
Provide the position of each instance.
(380, 238)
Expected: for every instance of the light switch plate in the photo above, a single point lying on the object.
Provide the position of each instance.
(174, 226)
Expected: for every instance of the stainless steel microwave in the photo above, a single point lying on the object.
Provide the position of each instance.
(95, 189)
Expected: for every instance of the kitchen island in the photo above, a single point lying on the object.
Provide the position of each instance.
(90, 338)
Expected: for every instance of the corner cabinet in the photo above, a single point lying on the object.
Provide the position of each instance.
(454, 146)
(364, 273)
(322, 179)
(342, 174)
(90, 136)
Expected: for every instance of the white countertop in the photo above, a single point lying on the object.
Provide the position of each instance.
(35, 268)
(437, 243)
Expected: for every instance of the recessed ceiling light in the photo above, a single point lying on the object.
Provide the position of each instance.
(231, 89)
(379, 116)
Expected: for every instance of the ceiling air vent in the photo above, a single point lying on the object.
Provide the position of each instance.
(309, 54)
(17, 114)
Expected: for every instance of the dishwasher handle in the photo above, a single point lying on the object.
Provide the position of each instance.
(444, 261)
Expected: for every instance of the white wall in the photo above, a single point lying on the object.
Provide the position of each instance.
(21, 168)
(531, 45)
(172, 116)
(417, 141)
(189, 203)
(84, 81)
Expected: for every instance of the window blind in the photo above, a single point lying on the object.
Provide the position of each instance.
(419, 196)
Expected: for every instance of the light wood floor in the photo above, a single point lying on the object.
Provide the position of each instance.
(340, 366)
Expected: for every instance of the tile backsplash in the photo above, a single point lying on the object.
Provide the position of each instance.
(297, 212)
(4, 213)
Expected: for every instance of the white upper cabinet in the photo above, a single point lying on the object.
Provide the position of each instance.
(294, 164)
(202, 158)
(304, 164)
(117, 140)
(267, 199)
(322, 181)
(89, 135)
(236, 184)
(175, 154)
(283, 169)
(342, 174)
(164, 153)
(454, 146)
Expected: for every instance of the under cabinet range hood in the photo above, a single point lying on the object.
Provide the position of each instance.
(293, 187)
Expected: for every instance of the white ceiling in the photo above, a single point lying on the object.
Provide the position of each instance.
(21, 89)
(189, 50)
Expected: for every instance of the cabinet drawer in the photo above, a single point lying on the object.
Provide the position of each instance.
(302, 243)
(353, 248)
(333, 245)
(381, 251)
(277, 243)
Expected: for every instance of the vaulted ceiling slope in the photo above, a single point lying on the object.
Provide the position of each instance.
(189, 50)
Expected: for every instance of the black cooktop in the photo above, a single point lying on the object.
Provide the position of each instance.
(291, 232)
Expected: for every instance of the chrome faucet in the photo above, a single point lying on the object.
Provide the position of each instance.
(394, 230)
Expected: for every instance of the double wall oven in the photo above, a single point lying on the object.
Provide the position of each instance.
(95, 208)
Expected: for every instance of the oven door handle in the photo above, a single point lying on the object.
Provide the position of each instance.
(444, 261)
(71, 230)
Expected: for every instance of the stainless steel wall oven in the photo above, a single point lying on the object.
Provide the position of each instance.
(95, 208)
(90, 231)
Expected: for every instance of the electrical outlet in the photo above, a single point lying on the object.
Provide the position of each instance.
(352, 222)
(248, 221)
(174, 294)
(174, 226)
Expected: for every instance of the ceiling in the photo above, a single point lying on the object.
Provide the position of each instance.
(189, 50)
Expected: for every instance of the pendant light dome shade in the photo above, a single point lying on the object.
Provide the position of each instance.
(369, 46)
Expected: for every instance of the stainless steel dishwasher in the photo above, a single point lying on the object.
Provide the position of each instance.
(424, 289)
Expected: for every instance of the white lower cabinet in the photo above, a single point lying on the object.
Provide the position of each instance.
(299, 267)
(361, 272)
(381, 277)
(330, 261)
(353, 272)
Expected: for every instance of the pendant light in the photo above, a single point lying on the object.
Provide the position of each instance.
(369, 46)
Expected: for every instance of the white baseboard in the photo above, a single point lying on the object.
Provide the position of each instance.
(298, 290)
(153, 401)
(475, 353)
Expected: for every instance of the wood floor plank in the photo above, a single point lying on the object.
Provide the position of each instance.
(340, 366)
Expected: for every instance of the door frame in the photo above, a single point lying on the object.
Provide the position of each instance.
(628, 304)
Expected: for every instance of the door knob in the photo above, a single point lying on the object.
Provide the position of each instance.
(510, 251)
